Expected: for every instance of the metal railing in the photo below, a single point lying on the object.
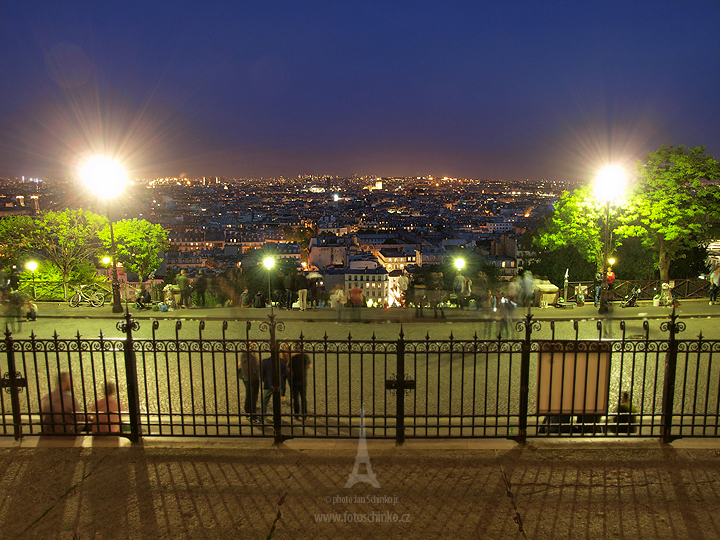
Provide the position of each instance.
(505, 388)
(58, 291)
(681, 289)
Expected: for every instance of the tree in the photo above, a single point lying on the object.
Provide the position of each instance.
(67, 239)
(579, 221)
(676, 203)
(301, 236)
(138, 244)
(14, 238)
(553, 263)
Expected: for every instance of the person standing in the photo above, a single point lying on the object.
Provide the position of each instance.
(302, 289)
(338, 300)
(528, 289)
(714, 285)
(183, 283)
(356, 301)
(14, 279)
(289, 283)
(267, 388)
(107, 412)
(60, 410)
(610, 277)
(249, 373)
(458, 288)
(299, 365)
(598, 287)
(200, 287)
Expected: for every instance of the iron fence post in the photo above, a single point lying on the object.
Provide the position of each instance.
(272, 327)
(13, 382)
(668, 399)
(400, 394)
(127, 326)
(524, 380)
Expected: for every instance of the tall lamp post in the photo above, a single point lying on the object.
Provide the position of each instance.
(609, 186)
(32, 266)
(269, 262)
(107, 179)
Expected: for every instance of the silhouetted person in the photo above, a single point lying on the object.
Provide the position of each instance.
(107, 411)
(60, 410)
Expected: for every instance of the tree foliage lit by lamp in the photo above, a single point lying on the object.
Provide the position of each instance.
(106, 178)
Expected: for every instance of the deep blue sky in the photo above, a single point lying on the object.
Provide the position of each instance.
(497, 89)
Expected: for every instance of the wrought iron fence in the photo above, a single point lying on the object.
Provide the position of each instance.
(680, 289)
(506, 388)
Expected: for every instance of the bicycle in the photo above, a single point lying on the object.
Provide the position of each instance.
(93, 297)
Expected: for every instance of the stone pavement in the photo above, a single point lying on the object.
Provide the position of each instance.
(687, 309)
(558, 489)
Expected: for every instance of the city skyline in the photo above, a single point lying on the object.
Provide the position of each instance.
(466, 90)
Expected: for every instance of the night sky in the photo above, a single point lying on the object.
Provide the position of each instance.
(495, 89)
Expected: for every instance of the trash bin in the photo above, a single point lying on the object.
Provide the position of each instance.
(656, 300)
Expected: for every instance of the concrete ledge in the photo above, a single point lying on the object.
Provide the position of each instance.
(254, 443)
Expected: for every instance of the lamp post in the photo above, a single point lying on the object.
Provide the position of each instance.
(609, 185)
(107, 178)
(32, 266)
(269, 262)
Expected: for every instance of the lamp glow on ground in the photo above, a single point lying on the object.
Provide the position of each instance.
(106, 178)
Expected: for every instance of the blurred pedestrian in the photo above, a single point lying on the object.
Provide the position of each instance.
(107, 412)
(337, 300)
(200, 287)
(357, 300)
(714, 285)
(527, 298)
(183, 283)
(60, 410)
(289, 283)
(267, 387)
(301, 287)
(13, 311)
(245, 299)
(598, 287)
(249, 373)
(14, 279)
(299, 365)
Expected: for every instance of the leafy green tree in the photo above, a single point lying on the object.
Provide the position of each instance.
(138, 244)
(67, 239)
(14, 238)
(675, 205)
(578, 221)
(553, 263)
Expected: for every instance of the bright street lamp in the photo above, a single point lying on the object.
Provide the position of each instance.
(609, 187)
(107, 179)
(32, 266)
(459, 264)
(269, 262)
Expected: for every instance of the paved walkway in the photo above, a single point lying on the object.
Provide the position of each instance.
(687, 308)
(436, 489)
